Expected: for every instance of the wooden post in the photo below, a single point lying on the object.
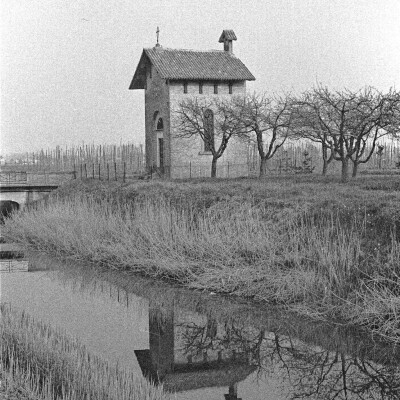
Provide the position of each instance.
(93, 170)
(99, 173)
(124, 174)
(190, 169)
(115, 169)
(85, 171)
(81, 169)
(108, 172)
(74, 171)
(228, 169)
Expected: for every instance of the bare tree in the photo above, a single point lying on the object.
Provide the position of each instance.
(269, 120)
(346, 122)
(307, 125)
(215, 121)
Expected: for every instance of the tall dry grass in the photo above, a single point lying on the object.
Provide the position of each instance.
(316, 262)
(45, 364)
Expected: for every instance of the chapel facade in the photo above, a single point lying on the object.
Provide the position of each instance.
(168, 76)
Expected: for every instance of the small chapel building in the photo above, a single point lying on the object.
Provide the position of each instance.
(168, 76)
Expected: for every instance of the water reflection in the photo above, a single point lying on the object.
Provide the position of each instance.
(205, 346)
(12, 258)
(12, 265)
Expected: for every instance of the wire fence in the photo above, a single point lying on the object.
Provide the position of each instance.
(307, 157)
(114, 171)
(292, 159)
(127, 161)
(202, 170)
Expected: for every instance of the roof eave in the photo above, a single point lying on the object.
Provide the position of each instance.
(211, 79)
(139, 78)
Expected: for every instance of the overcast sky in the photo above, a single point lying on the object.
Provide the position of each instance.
(67, 64)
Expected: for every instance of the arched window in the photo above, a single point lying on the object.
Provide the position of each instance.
(208, 130)
(160, 124)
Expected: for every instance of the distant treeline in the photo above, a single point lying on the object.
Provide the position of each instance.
(70, 158)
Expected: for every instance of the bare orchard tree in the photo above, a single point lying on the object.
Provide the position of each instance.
(308, 126)
(266, 119)
(215, 121)
(346, 123)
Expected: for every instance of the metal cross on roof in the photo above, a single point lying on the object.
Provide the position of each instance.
(157, 33)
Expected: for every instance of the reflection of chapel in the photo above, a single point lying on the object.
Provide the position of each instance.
(168, 76)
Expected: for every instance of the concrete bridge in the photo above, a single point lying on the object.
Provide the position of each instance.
(24, 194)
(25, 187)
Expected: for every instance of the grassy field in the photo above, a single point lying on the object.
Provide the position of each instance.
(307, 243)
(40, 363)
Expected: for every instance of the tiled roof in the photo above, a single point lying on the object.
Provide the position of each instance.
(191, 65)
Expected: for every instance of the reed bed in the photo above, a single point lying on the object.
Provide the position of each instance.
(333, 259)
(38, 362)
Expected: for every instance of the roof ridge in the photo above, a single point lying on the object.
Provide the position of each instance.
(186, 50)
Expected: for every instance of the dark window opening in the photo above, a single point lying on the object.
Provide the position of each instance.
(215, 88)
(201, 88)
(161, 153)
(230, 87)
(160, 124)
(185, 87)
(208, 130)
(150, 73)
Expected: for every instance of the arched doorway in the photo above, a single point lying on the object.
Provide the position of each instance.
(159, 125)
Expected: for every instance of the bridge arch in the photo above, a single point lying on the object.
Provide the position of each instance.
(7, 207)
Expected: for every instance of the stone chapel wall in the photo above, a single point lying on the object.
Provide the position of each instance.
(188, 158)
(156, 101)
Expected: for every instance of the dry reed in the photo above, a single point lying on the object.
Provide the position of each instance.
(320, 262)
(46, 364)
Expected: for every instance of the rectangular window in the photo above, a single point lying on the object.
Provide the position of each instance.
(230, 87)
(215, 88)
(184, 87)
(201, 88)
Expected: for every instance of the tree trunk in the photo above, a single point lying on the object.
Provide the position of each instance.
(324, 160)
(345, 170)
(324, 167)
(214, 167)
(263, 167)
(355, 169)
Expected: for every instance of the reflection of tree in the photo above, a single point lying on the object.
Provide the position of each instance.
(312, 372)
(230, 342)
(320, 374)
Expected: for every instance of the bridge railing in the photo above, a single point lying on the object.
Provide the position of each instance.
(35, 178)
(11, 177)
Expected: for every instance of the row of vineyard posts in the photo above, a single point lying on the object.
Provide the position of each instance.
(69, 158)
(98, 171)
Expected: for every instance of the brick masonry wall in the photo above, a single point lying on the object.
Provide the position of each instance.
(156, 101)
(187, 155)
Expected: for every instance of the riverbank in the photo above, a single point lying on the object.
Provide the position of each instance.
(324, 249)
(40, 363)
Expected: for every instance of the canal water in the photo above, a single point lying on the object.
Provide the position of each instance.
(200, 345)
